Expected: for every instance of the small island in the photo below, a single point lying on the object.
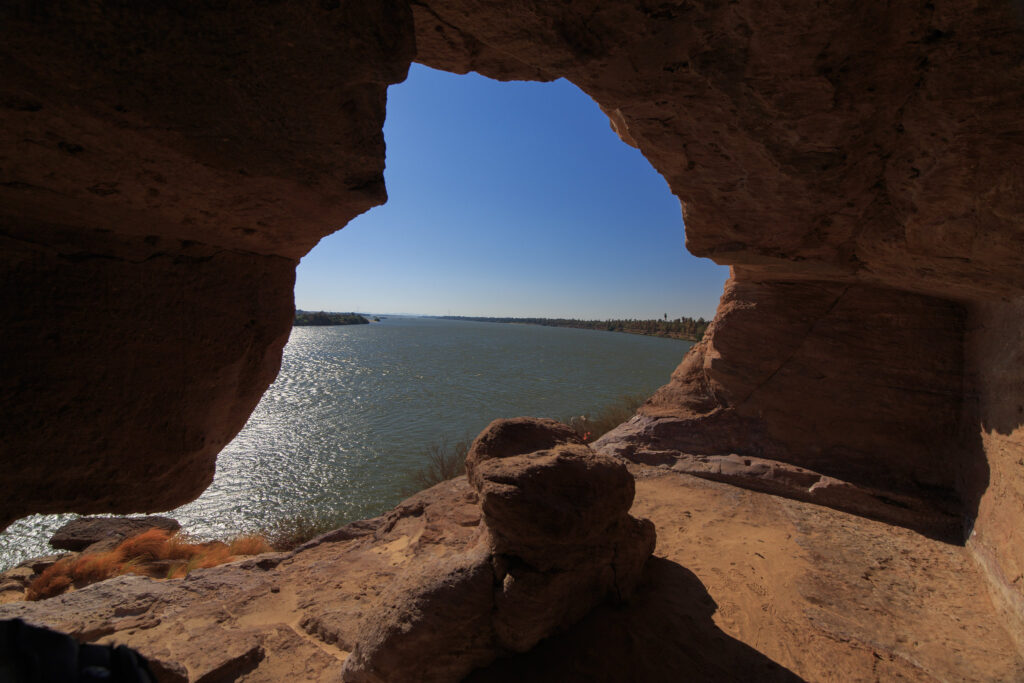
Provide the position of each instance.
(327, 318)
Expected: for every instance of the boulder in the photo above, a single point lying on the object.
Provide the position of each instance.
(517, 436)
(543, 492)
(556, 540)
(79, 534)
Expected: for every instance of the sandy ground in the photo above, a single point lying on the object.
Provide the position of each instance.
(748, 586)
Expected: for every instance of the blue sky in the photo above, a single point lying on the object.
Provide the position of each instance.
(510, 199)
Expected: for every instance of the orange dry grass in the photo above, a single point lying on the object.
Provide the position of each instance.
(81, 570)
(214, 554)
(95, 567)
(137, 568)
(207, 555)
(178, 548)
(158, 544)
(249, 545)
(53, 581)
(149, 545)
(131, 556)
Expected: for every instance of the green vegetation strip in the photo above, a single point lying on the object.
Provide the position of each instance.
(689, 329)
(324, 318)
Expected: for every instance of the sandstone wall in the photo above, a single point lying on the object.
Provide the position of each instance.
(164, 166)
(838, 376)
(128, 365)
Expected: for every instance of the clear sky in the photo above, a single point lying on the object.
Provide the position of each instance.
(510, 199)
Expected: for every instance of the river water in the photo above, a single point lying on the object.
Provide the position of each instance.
(354, 407)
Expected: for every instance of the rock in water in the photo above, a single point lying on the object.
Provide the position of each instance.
(79, 534)
(557, 540)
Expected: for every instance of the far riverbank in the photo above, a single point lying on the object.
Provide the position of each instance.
(687, 329)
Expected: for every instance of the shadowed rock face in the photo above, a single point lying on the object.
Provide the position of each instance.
(841, 377)
(165, 167)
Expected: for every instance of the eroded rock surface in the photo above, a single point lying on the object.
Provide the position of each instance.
(743, 586)
(556, 541)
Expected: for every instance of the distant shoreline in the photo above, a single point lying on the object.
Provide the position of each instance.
(685, 329)
(323, 318)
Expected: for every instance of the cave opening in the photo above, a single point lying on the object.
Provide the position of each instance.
(505, 200)
(858, 160)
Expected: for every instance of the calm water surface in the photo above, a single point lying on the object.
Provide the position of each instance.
(348, 417)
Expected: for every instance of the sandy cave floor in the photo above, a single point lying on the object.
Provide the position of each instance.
(750, 586)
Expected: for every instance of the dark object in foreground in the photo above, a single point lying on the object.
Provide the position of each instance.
(32, 654)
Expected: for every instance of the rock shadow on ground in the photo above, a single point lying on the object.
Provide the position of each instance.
(627, 642)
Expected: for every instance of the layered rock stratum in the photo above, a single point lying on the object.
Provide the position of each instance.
(165, 166)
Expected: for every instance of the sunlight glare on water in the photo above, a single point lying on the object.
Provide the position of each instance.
(353, 408)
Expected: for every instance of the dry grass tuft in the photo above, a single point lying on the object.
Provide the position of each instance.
(179, 548)
(442, 461)
(212, 555)
(134, 555)
(592, 427)
(205, 555)
(149, 545)
(252, 544)
(54, 580)
(180, 571)
(137, 567)
(94, 567)
(288, 533)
